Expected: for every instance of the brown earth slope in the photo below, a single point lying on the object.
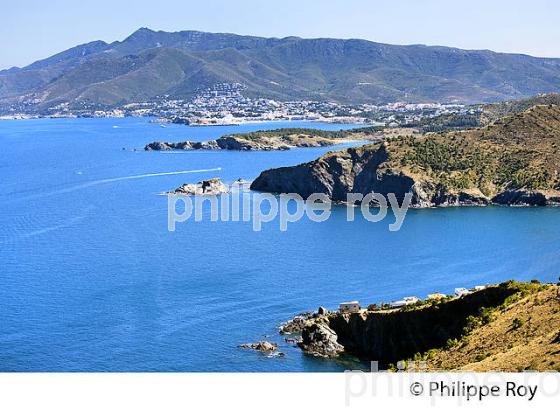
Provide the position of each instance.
(524, 336)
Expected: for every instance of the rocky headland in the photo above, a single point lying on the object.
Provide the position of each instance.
(233, 143)
(513, 161)
(281, 139)
(511, 326)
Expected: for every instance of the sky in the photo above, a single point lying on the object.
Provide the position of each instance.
(31, 30)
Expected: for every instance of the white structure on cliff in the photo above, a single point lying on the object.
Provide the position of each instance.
(462, 292)
(349, 307)
(409, 300)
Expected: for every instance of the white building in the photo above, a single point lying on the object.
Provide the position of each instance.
(479, 287)
(409, 300)
(349, 307)
(462, 292)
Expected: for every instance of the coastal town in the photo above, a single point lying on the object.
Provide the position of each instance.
(226, 104)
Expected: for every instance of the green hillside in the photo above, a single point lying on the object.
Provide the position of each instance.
(149, 64)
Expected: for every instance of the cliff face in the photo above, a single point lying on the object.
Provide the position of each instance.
(360, 170)
(514, 161)
(334, 174)
(388, 337)
(511, 320)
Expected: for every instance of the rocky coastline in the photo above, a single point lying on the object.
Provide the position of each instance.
(429, 329)
(356, 170)
(235, 143)
(514, 161)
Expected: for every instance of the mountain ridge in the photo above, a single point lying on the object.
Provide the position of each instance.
(340, 70)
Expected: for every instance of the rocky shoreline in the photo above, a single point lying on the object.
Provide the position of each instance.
(207, 187)
(390, 335)
(212, 186)
(339, 174)
(515, 162)
(234, 143)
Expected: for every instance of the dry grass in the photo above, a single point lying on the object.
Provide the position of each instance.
(525, 336)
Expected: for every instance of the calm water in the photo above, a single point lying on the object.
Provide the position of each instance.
(91, 280)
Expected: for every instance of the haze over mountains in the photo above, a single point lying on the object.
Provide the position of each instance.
(150, 64)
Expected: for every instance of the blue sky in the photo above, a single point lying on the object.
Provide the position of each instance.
(32, 29)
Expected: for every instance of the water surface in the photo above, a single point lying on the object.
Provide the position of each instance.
(91, 279)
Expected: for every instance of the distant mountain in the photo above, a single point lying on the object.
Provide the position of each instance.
(148, 64)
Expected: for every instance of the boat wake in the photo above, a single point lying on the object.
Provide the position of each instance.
(159, 174)
(118, 179)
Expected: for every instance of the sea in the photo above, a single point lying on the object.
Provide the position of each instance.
(92, 280)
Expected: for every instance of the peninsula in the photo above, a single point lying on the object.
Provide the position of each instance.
(515, 160)
(280, 139)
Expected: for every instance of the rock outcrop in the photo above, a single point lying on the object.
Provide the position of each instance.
(320, 340)
(184, 145)
(515, 161)
(265, 347)
(300, 321)
(207, 187)
(296, 324)
(239, 143)
(360, 170)
(389, 336)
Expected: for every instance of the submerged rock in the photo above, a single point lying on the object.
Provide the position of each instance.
(277, 354)
(263, 346)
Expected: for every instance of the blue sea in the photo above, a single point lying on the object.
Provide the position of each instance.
(92, 280)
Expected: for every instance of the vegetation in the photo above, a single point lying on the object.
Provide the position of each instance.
(520, 151)
(354, 133)
(482, 114)
(516, 324)
(518, 333)
(447, 122)
(132, 70)
(492, 112)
